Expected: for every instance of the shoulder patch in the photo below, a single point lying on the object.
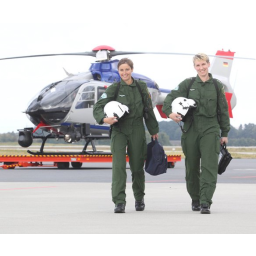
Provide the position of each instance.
(104, 96)
(222, 88)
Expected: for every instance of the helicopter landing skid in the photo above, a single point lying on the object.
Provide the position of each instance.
(88, 139)
(68, 153)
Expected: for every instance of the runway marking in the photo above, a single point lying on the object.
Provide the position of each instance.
(244, 177)
(27, 188)
(160, 180)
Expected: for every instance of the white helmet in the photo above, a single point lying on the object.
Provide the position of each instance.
(115, 108)
(182, 105)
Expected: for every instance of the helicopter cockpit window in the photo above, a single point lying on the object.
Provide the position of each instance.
(54, 101)
(101, 90)
(105, 66)
(114, 65)
(87, 98)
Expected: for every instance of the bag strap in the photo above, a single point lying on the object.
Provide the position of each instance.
(138, 86)
(117, 90)
(145, 109)
(189, 86)
(181, 127)
(217, 90)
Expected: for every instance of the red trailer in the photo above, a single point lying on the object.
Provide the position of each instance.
(63, 161)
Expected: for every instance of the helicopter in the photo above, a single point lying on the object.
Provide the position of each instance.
(64, 109)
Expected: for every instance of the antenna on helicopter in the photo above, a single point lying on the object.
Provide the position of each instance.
(68, 74)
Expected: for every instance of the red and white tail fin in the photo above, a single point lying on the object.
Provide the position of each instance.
(221, 69)
(222, 66)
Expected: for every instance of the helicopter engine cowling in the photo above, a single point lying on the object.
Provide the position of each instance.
(25, 138)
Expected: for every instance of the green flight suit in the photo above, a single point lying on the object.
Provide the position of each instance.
(128, 133)
(202, 139)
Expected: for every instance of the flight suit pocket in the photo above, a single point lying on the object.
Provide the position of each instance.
(112, 145)
(217, 144)
(139, 107)
(145, 148)
(211, 109)
(183, 145)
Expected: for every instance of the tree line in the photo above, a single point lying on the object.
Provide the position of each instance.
(245, 135)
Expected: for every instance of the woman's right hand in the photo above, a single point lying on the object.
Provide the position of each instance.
(110, 120)
(175, 117)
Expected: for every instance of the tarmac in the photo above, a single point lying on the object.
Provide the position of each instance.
(86, 208)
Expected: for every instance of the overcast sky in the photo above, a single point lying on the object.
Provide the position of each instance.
(30, 27)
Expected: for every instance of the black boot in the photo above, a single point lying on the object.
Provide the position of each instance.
(205, 209)
(140, 205)
(119, 208)
(196, 205)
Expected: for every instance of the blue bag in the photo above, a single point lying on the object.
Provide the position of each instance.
(156, 162)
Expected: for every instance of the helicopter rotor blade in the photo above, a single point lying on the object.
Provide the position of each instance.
(115, 53)
(93, 54)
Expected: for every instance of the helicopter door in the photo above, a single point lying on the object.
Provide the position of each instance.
(81, 111)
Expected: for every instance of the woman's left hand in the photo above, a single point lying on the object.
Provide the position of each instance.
(154, 136)
(224, 139)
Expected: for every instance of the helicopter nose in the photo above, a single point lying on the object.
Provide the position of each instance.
(53, 102)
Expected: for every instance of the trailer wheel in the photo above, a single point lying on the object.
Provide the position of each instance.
(9, 163)
(171, 165)
(63, 165)
(76, 165)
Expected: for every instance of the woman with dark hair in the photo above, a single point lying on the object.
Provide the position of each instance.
(128, 133)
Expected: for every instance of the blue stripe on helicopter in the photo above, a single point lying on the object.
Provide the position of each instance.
(97, 127)
(165, 90)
